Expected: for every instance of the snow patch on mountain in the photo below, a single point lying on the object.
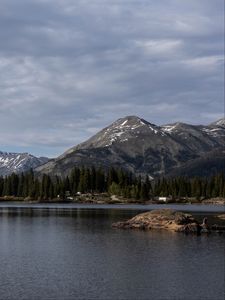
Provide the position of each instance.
(169, 128)
(124, 129)
(214, 132)
(220, 122)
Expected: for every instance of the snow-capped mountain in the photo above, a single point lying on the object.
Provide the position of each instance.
(141, 147)
(123, 130)
(18, 162)
(220, 122)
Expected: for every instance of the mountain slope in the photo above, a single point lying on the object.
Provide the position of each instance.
(209, 164)
(18, 162)
(136, 145)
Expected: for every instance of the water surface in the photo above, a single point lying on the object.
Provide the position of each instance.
(73, 253)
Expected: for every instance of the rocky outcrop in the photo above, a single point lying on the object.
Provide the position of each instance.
(222, 216)
(162, 219)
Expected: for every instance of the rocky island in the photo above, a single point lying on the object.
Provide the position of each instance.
(167, 219)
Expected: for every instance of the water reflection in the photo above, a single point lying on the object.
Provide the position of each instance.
(75, 254)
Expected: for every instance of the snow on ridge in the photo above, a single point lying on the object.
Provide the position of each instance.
(209, 130)
(215, 132)
(169, 128)
(17, 162)
(123, 123)
(220, 122)
(153, 129)
(12, 160)
(216, 129)
(122, 130)
(135, 126)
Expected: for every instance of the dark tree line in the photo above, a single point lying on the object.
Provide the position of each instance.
(196, 187)
(117, 182)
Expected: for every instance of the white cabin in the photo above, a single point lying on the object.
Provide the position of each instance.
(163, 199)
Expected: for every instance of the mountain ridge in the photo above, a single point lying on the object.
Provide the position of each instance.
(139, 146)
(18, 162)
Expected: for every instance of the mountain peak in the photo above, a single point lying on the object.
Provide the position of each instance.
(220, 122)
(130, 121)
(120, 131)
(128, 127)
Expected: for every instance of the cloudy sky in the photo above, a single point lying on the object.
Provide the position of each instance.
(70, 67)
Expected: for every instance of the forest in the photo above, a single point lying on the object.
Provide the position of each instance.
(113, 182)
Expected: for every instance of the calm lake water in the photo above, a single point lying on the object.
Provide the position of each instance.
(72, 252)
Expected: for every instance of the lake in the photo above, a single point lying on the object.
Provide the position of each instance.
(71, 251)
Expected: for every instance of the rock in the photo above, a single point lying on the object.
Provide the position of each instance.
(183, 219)
(162, 219)
(222, 216)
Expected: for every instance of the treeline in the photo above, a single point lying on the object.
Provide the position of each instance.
(114, 182)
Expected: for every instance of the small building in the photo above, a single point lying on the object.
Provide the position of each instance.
(164, 199)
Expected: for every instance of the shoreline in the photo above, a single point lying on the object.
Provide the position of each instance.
(102, 199)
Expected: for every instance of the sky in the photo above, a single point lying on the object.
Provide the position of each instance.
(68, 68)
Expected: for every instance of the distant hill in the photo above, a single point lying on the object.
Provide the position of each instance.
(18, 162)
(141, 147)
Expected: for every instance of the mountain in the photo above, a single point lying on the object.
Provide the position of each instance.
(18, 162)
(138, 146)
(211, 163)
(220, 122)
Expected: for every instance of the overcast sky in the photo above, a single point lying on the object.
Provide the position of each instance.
(70, 67)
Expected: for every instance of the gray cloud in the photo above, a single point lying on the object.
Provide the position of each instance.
(69, 68)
